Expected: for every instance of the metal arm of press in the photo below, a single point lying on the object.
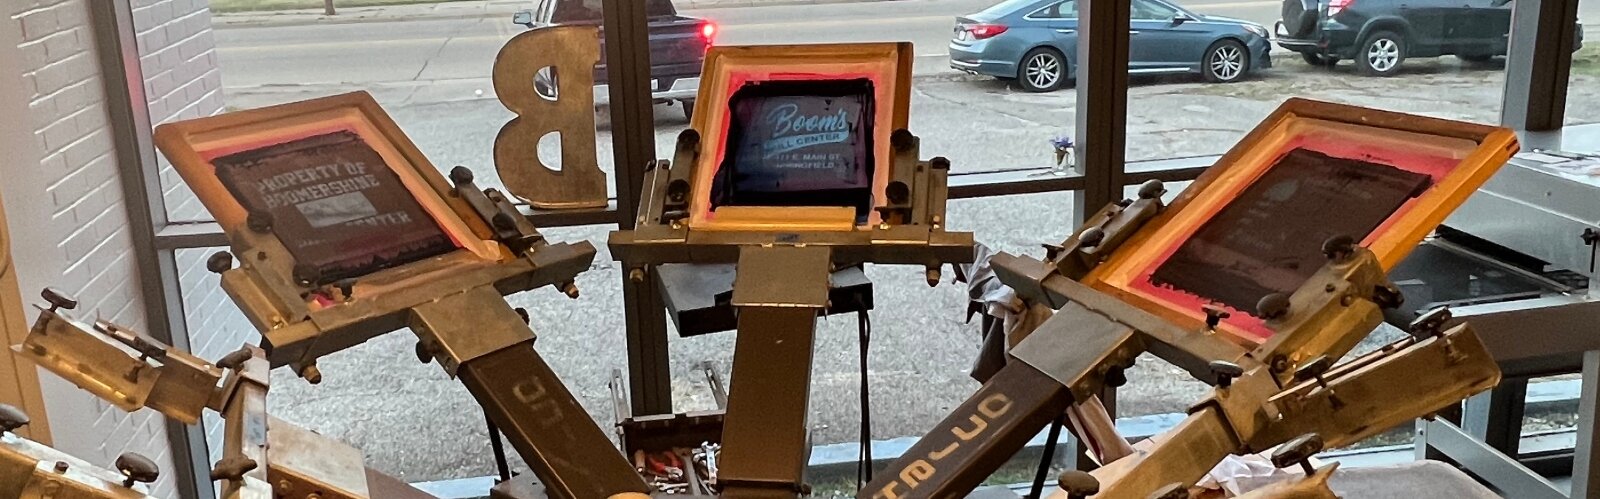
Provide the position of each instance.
(132, 371)
(1265, 396)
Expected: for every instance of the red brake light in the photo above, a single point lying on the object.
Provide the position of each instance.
(981, 31)
(708, 31)
(1337, 6)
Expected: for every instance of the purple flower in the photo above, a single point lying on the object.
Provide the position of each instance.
(1062, 141)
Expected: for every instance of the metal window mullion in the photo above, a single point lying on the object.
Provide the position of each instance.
(129, 120)
(1102, 108)
(1538, 64)
(627, 45)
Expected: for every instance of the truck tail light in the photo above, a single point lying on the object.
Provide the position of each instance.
(982, 31)
(708, 31)
(1337, 6)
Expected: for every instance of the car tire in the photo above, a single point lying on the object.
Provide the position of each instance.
(1226, 61)
(1475, 58)
(1319, 60)
(1042, 69)
(688, 109)
(1381, 54)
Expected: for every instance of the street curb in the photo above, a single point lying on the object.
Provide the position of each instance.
(262, 19)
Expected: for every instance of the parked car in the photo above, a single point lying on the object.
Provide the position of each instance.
(1381, 34)
(678, 47)
(1035, 42)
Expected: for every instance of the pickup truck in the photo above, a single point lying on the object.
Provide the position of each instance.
(678, 47)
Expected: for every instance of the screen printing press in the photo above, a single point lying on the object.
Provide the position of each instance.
(799, 167)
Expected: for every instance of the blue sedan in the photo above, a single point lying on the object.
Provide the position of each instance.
(1036, 41)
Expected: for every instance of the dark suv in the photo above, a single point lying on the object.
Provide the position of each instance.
(1380, 34)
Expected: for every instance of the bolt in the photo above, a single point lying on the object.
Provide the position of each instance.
(61, 466)
(636, 275)
(258, 221)
(219, 262)
(570, 288)
(933, 276)
(1151, 189)
(460, 175)
(311, 374)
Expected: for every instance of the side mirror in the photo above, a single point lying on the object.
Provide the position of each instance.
(523, 17)
(1179, 19)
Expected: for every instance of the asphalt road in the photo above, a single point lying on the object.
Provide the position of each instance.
(460, 49)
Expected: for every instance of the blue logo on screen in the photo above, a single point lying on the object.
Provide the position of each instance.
(792, 130)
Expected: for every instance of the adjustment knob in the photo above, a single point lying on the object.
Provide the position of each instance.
(137, 468)
(12, 418)
(1214, 315)
(1272, 306)
(460, 175)
(1430, 323)
(235, 359)
(1338, 248)
(1225, 372)
(1091, 237)
(258, 221)
(1151, 189)
(232, 468)
(1078, 484)
(1298, 451)
(219, 262)
(59, 299)
(1171, 491)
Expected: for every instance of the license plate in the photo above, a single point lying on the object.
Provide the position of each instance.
(656, 84)
(961, 34)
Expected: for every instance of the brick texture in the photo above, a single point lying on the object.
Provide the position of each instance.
(66, 215)
(65, 207)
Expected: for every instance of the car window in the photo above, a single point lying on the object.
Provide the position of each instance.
(1148, 11)
(1005, 8)
(588, 11)
(1058, 10)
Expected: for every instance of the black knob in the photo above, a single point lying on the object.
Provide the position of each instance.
(939, 163)
(1151, 189)
(137, 468)
(307, 274)
(1171, 491)
(1338, 248)
(12, 418)
(1298, 451)
(1430, 323)
(258, 221)
(58, 299)
(219, 262)
(1091, 237)
(232, 468)
(424, 354)
(1272, 306)
(503, 221)
(902, 140)
(1214, 315)
(460, 175)
(234, 360)
(689, 139)
(1225, 372)
(1078, 484)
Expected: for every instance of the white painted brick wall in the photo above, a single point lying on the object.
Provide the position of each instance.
(66, 214)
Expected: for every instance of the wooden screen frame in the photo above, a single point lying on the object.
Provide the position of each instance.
(887, 64)
(1481, 151)
(189, 145)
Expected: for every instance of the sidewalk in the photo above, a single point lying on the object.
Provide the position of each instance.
(472, 9)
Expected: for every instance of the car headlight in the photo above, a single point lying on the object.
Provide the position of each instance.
(1259, 30)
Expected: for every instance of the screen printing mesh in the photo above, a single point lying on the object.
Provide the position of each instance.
(1269, 239)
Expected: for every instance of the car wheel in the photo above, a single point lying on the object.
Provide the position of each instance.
(1042, 70)
(1381, 54)
(1225, 62)
(1475, 58)
(1319, 60)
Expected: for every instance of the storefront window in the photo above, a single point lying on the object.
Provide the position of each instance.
(1583, 87)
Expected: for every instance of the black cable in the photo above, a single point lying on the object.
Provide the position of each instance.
(499, 450)
(1044, 461)
(864, 466)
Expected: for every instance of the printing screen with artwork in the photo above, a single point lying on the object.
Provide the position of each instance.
(334, 203)
(799, 143)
